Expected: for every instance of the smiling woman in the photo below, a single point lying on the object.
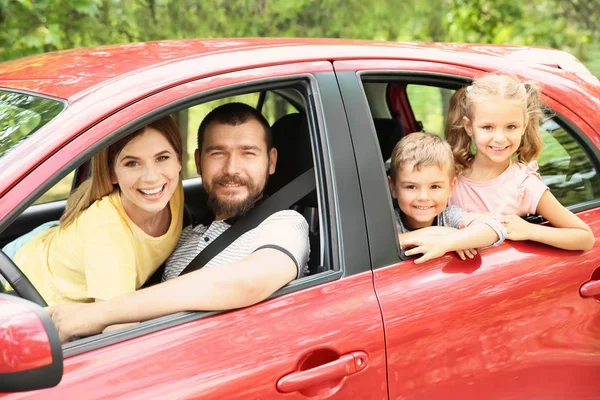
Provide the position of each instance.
(118, 226)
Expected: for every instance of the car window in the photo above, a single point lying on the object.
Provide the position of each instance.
(429, 105)
(564, 165)
(21, 115)
(60, 191)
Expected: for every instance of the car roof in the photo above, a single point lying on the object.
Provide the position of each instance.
(71, 74)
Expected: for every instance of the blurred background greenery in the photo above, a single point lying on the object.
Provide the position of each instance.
(34, 26)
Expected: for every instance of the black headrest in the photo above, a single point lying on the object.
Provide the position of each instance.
(291, 138)
(389, 132)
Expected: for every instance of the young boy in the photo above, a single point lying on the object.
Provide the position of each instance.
(421, 179)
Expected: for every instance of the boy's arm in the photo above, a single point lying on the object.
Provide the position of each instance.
(222, 287)
(482, 231)
(430, 230)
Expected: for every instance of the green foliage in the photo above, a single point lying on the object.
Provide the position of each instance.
(34, 26)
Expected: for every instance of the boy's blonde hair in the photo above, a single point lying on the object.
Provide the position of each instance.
(422, 149)
(494, 86)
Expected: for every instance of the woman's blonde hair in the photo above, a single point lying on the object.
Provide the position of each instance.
(493, 86)
(100, 183)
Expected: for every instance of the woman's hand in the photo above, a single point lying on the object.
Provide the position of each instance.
(76, 319)
(516, 227)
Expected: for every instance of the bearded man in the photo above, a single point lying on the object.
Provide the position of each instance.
(235, 158)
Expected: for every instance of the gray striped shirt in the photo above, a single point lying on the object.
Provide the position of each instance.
(285, 230)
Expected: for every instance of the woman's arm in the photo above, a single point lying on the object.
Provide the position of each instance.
(567, 232)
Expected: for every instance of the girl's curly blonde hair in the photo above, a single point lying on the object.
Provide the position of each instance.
(495, 86)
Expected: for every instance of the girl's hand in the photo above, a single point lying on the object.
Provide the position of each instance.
(516, 227)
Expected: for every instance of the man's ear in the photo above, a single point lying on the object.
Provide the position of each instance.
(197, 159)
(467, 124)
(272, 160)
(392, 187)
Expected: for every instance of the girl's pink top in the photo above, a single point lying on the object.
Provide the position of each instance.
(516, 191)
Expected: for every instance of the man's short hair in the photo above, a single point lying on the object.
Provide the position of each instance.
(235, 114)
(422, 149)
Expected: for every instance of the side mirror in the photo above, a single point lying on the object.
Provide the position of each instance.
(30, 351)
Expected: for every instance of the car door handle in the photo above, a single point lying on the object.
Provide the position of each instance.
(590, 289)
(346, 365)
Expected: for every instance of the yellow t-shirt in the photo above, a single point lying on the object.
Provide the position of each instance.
(102, 254)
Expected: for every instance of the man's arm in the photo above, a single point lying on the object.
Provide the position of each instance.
(221, 287)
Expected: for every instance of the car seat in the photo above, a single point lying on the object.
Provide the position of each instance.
(291, 138)
(389, 132)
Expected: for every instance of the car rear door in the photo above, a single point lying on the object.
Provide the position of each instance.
(511, 323)
(320, 337)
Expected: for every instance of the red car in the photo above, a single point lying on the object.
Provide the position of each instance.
(520, 321)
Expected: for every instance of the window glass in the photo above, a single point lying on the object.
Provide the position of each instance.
(429, 105)
(21, 115)
(565, 166)
(60, 191)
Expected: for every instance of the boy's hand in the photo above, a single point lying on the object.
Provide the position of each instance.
(430, 246)
(76, 319)
(516, 227)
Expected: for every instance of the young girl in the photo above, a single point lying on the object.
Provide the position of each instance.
(119, 226)
(499, 116)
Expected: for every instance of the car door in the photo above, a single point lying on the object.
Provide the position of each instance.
(510, 323)
(319, 337)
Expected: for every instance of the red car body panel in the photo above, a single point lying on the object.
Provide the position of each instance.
(71, 73)
(242, 354)
(508, 324)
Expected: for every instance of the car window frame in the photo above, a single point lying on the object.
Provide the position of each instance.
(453, 82)
(326, 190)
(330, 249)
(375, 210)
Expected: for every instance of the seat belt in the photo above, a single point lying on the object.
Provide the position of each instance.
(280, 200)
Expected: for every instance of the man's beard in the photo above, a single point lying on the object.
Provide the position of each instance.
(234, 208)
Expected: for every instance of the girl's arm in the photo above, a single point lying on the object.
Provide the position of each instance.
(567, 232)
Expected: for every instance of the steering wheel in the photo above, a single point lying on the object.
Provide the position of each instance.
(19, 282)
